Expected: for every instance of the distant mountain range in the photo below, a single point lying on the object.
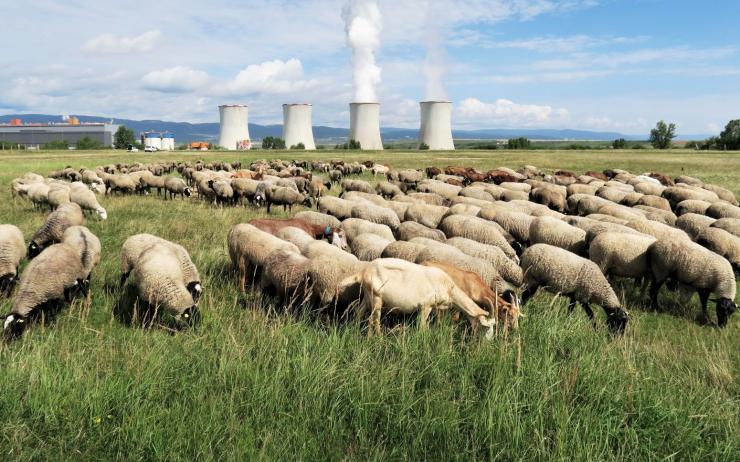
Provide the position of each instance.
(187, 132)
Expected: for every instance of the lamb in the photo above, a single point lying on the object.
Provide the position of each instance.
(86, 199)
(562, 272)
(548, 230)
(249, 248)
(316, 218)
(368, 247)
(411, 229)
(357, 185)
(475, 288)
(376, 214)
(693, 224)
(408, 251)
(176, 187)
(406, 287)
(334, 206)
(353, 227)
(722, 243)
(428, 215)
(508, 269)
(51, 279)
(12, 251)
(692, 206)
(137, 245)
(279, 195)
(479, 230)
(287, 273)
(622, 255)
(161, 285)
(57, 222)
(694, 266)
(723, 210)
(731, 225)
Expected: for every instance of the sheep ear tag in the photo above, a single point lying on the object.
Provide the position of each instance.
(327, 231)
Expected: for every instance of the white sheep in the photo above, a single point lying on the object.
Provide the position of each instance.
(12, 251)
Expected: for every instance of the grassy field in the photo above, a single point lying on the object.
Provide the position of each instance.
(253, 382)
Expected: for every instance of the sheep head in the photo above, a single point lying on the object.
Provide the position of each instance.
(725, 309)
(616, 320)
(13, 326)
(7, 283)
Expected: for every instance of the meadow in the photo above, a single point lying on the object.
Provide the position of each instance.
(253, 382)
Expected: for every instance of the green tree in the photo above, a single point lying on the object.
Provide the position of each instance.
(730, 137)
(123, 138)
(423, 147)
(278, 143)
(268, 142)
(621, 143)
(662, 135)
(518, 143)
(57, 144)
(88, 143)
(299, 147)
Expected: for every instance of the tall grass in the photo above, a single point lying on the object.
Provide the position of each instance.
(255, 382)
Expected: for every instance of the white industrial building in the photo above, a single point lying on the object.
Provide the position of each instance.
(436, 125)
(364, 125)
(297, 127)
(36, 136)
(158, 141)
(234, 129)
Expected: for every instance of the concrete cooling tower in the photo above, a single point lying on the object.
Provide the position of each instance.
(234, 132)
(436, 125)
(297, 126)
(364, 125)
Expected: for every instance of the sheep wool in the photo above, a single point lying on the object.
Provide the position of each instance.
(12, 251)
(693, 224)
(411, 229)
(548, 230)
(66, 215)
(160, 282)
(368, 247)
(722, 243)
(508, 269)
(353, 227)
(479, 230)
(408, 251)
(376, 214)
(620, 254)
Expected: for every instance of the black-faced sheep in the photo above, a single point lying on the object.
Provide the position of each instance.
(12, 251)
(722, 243)
(66, 215)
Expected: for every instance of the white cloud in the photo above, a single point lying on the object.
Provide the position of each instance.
(111, 44)
(504, 111)
(175, 79)
(270, 77)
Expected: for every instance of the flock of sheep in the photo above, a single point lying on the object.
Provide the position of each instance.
(418, 241)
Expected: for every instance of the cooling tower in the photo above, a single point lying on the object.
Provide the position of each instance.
(436, 125)
(234, 132)
(297, 126)
(364, 125)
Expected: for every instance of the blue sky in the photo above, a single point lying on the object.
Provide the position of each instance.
(617, 65)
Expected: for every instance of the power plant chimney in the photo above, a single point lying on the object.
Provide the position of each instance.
(436, 125)
(234, 132)
(364, 125)
(297, 126)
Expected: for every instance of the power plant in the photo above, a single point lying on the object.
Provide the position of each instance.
(364, 125)
(436, 125)
(297, 126)
(234, 129)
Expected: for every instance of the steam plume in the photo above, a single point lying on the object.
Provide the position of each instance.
(362, 21)
(434, 65)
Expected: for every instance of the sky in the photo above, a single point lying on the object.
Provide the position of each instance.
(606, 65)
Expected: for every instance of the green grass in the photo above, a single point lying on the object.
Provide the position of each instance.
(256, 383)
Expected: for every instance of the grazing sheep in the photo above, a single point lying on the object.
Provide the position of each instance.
(51, 279)
(693, 224)
(326, 273)
(551, 198)
(161, 284)
(722, 243)
(479, 230)
(66, 215)
(692, 206)
(658, 230)
(368, 247)
(464, 209)
(88, 248)
(353, 227)
(357, 185)
(335, 236)
(408, 251)
(388, 190)
(477, 193)
(12, 251)
(295, 236)
(622, 255)
(722, 193)
(376, 214)
(660, 215)
(58, 195)
(515, 223)
(655, 201)
(249, 248)
(582, 189)
(427, 198)
(224, 193)
(428, 215)
(694, 266)
(689, 180)
(445, 190)
(649, 188)
(677, 194)
(508, 269)
(121, 183)
(731, 225)
(176, 187)
(279, 195)
(411, 229)
(410, 176)
(622, 212)
(563, 272)
(86, 199)
(287, 273)
(475, 288)
(406, 287)
(336, 207)
(316, 218)
(135, 246)
(548, 230)
(723, 210)
(594, 230)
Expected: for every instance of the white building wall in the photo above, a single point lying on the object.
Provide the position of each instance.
(297, 127)
(364, 125)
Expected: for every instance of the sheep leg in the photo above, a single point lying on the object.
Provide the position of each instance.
(572, 303)
(377, 305)
(426, 310)
(704, 298)
(654, 289)
(529, 293)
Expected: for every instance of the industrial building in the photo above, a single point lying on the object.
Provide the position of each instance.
(297, 126)
(234, 129)
(364, 125)
(436, 125)
(35, 136)
(158, 141)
